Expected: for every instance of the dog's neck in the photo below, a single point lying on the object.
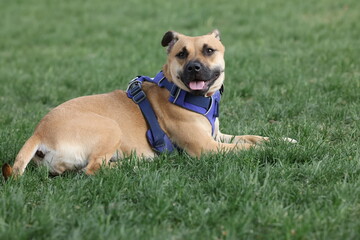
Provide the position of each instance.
(166, 72)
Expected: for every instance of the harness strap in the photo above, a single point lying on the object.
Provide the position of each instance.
(156, 136)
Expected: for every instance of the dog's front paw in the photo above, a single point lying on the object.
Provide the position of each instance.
(252, 139)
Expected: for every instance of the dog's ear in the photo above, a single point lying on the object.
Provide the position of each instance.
(216, 34)
(169, 39)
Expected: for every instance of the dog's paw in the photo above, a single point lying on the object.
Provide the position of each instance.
(251, 139)
(290, 140)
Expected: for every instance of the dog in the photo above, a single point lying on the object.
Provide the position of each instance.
(90, 131)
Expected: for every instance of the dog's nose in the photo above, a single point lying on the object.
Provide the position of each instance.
(194, 66)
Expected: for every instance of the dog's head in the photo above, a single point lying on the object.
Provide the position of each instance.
(195, 64)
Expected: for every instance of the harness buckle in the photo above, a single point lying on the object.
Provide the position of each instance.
(134, 89)
(139, 97)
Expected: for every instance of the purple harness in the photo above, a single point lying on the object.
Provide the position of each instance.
(160, 142)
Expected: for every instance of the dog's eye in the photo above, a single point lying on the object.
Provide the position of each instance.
(209, 51)
(182, 55)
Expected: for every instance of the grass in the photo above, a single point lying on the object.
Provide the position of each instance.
(292, 70)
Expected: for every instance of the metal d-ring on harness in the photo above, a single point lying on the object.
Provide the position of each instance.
(160, 142)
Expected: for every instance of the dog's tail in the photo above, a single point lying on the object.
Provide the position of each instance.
(23, 158)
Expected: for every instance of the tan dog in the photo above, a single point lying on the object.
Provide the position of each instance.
(89, 131)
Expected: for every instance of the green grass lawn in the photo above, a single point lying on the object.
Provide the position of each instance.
(293, 69)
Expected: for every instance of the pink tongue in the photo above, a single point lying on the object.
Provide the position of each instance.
(197, 85)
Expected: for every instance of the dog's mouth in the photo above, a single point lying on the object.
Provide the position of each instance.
(199, 82)
(197, 85)
(200, 87)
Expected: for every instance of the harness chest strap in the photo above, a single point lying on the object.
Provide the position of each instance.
(157, 138)
(160, 142)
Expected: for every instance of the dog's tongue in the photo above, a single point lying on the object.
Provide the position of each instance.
(197, 85)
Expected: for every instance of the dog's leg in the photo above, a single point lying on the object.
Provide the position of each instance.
(196, 143)
(96, 162)
(213, 146)
(253, 139)
(226, 138)
(103, 152)
(101, 157)
(246, 139)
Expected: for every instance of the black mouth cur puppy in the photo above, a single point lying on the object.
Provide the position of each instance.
(176, 109)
